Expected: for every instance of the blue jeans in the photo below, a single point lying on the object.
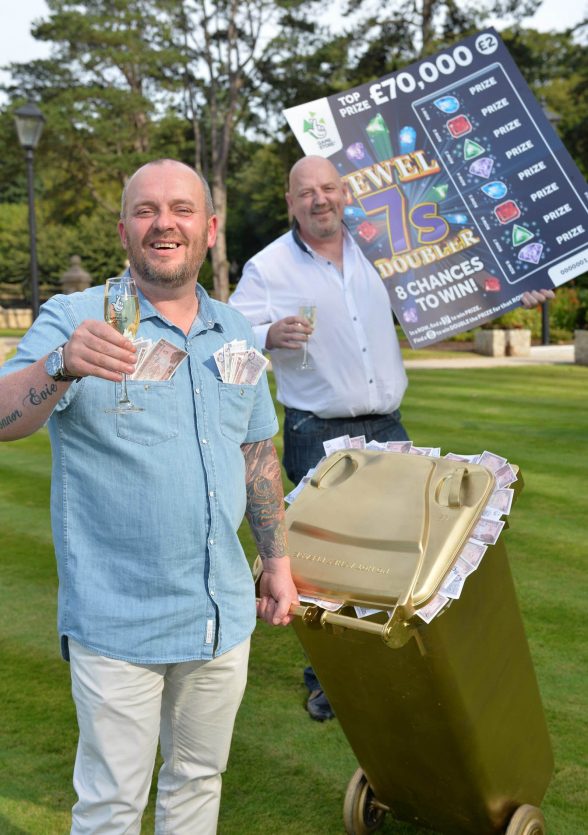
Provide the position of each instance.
(304, 434)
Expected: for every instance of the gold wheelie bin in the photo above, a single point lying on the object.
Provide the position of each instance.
(445, 718)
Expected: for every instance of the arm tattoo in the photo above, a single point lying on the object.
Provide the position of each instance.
(11, 418)
(265, 498)
(38, 397)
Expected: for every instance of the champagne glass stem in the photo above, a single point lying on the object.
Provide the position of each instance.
(305, 355)
(124, 399)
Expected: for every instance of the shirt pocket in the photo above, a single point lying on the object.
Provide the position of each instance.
(158, 422)
(236, 401)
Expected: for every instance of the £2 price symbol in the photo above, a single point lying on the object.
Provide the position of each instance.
(486, 44)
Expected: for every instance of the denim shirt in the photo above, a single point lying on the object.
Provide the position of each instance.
(145, 507)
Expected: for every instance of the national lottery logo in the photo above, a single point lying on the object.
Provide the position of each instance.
(315, 126)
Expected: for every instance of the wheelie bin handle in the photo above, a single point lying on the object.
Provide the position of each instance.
(396, 632)
(333, 461)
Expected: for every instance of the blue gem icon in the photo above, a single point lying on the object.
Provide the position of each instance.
(407, 139)
(496, 190)
(456, 217)
(447, 104)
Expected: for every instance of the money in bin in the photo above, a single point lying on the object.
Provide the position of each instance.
(413, 627)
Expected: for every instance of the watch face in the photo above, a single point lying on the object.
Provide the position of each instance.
(53, 363)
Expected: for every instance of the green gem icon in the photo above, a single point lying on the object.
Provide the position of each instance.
(379, 135)
(438, 193)
(472, 149)
(520, 235)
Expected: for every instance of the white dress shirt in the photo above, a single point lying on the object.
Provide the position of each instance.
(357, 366)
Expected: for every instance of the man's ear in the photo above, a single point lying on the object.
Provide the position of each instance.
(122, 233)
(212, 230)
(290, 209)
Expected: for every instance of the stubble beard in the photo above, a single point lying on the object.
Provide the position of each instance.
(162, 276)
(326, 229)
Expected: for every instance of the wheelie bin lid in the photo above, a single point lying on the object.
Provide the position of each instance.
(374, 528)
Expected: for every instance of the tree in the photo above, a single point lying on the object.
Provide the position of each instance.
(222, 48)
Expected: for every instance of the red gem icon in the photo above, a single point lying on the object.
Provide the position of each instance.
(507, 211)
(458, 126)
(492, 284)
(367, 231)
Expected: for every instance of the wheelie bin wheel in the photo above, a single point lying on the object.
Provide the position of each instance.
(527, 820)
(361, 815)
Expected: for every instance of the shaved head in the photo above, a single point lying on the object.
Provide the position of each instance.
(312, 165)
(316, 199)
(207, 195)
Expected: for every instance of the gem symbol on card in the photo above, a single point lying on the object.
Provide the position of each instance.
(531, 253)
(353, 216)
(456, 217)
(410, 315)
(496, 190)
(520, 235)
(355, 152)
(458, 126)
(472, 149)
(507, 211)
(492, 284)
(438, 193)
(367, 231)
(447, 104)
(379, 136)
(407, 139)
(482, 167)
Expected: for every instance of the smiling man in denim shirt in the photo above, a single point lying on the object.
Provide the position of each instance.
(156, 600)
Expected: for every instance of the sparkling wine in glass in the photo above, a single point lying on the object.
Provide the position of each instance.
(122, 312)
(308, 310)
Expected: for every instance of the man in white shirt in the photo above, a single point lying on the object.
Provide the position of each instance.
(356, 380)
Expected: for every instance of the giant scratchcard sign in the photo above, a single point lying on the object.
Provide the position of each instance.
(460, 192)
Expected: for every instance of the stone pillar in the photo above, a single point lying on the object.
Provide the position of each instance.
(491, 343)
(581, 347)
(76, 278)
(518, 342)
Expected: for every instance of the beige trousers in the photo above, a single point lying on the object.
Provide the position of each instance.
(123, 709)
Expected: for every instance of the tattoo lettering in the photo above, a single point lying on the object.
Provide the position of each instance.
(36, 398)
(265, 507)
(11, 418)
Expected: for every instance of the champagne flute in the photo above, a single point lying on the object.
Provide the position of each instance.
(123, 313)
(307, 309)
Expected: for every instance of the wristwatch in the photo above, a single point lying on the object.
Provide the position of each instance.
(54, 366)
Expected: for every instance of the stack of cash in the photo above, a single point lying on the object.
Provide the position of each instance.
(239, 364)
(157, 361)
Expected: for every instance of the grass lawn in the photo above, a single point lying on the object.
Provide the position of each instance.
(287, 775)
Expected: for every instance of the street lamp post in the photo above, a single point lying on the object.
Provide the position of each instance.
(29, 127)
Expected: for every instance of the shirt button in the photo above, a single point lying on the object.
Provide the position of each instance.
(204, 441)
(371, 381)
(355, 318)
(211, 492)
(212, 592)
(364, 350)
(211, 541)
(196, 391)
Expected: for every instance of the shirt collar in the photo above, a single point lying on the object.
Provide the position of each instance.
(206, 318)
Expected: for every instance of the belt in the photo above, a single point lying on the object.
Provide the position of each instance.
(350, 419)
